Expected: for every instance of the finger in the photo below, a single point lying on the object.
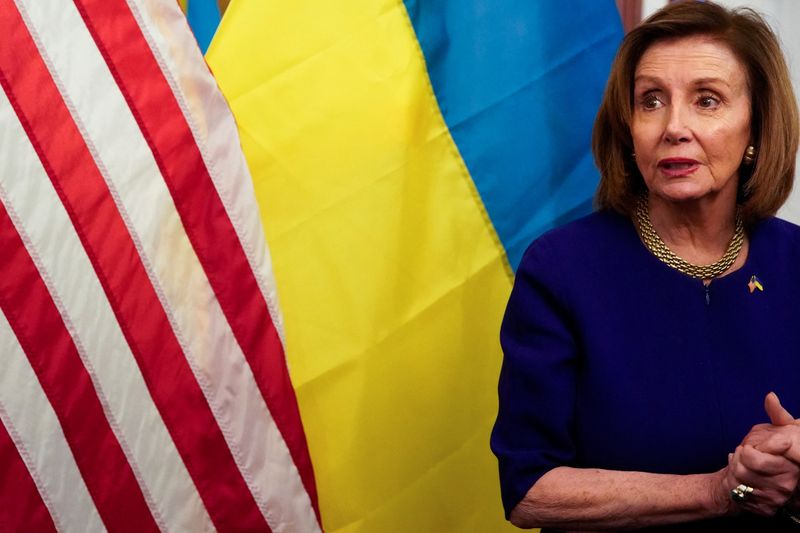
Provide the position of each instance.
(778, 415)
(775, 444)
(764, 500)
(793, 454)
(740, 473)
(775, 441)
(765, 464)
(759, 433)
(762, 509)
(770, 491)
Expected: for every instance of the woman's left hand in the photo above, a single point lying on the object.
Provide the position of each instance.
(766, 469)
(764, 437)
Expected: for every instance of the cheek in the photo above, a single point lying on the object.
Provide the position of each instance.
(645, 134)
(645, 150)
(734, 132)
(727, 143)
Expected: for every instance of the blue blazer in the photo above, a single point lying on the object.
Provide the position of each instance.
(614, 360)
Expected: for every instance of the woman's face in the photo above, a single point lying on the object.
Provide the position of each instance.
(691, 118)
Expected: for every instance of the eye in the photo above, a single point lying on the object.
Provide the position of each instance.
(708, 101)
(651, 101)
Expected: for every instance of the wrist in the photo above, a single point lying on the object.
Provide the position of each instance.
(720, 502)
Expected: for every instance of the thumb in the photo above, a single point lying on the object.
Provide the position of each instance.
(778, 416)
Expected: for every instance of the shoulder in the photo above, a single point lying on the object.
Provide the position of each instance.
(582, 241)
(597, 224)
(777, 228)
(776, 236)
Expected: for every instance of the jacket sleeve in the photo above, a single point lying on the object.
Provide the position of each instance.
(536, 390)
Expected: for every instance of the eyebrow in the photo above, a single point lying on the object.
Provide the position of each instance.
(699, 81)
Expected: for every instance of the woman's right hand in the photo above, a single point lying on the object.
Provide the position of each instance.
(767, 470)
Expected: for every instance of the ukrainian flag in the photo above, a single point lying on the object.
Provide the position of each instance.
(203, 17)
(404, 154)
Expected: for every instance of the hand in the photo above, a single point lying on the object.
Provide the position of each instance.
(766, 469)
(779, 416)
(781, 437)
(782, 422)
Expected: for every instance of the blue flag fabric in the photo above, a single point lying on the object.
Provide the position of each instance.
(204, 17)
(519, 83)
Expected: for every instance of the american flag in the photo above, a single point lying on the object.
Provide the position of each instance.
(143, 382)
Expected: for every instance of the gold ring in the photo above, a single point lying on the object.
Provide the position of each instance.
(741, 493)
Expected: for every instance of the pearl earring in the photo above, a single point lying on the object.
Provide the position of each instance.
(749, 155)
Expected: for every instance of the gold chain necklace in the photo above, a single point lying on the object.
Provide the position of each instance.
(657, 247)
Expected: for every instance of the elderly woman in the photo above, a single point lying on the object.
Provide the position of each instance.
(640, 342)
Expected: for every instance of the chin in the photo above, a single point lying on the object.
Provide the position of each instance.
(681, 194)
(683, 198)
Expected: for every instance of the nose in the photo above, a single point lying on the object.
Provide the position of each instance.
(677, 129)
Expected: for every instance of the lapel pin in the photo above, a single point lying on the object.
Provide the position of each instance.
(754, 284)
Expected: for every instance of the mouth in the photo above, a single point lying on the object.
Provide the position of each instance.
(678, 166)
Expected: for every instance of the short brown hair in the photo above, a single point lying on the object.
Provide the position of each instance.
(765, 185)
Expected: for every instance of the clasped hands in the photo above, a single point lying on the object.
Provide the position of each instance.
(768, 460)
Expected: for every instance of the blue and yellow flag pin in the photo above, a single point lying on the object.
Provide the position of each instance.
(754, 284)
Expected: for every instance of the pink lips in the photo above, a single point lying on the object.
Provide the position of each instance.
(678, 166)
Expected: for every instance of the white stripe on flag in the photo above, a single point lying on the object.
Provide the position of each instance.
(83, 304)
(258, 446)
(46, 452)
(213, 127)
(216, 359)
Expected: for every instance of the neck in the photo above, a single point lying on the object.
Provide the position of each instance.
(698, 232)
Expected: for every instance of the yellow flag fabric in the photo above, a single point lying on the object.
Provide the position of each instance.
(391, 279)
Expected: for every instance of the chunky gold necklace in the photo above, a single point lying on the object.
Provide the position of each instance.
(657, 247)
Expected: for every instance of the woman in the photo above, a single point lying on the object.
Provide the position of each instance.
(640, 341)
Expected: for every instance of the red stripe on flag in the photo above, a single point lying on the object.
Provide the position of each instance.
(210, 230)
(40, 330)
(143, 321)
(21, 504)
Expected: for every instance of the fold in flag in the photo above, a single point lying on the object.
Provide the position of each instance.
(403, 155)
(143, 385)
